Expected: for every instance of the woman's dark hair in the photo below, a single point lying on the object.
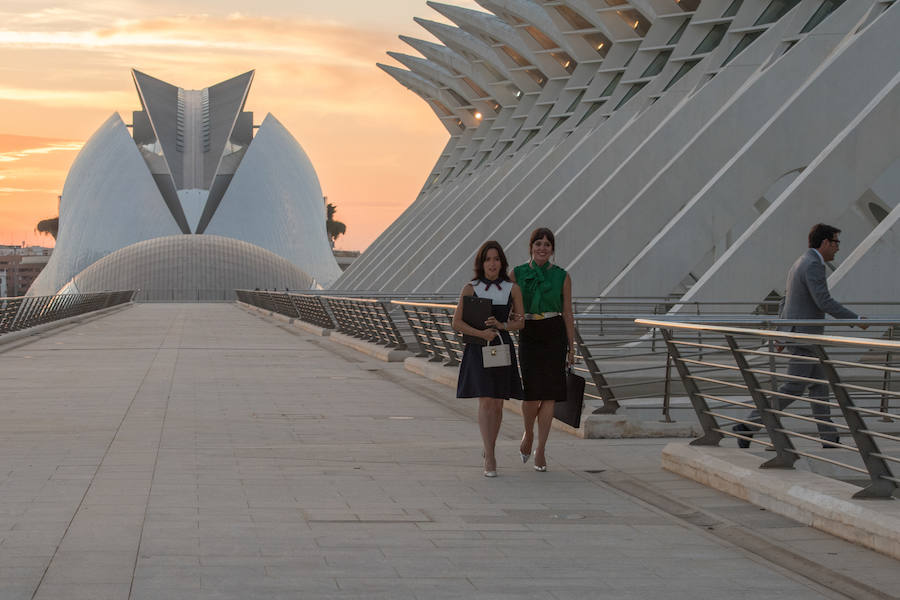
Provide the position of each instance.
(540, 233)
(481, 256)
(821, 232)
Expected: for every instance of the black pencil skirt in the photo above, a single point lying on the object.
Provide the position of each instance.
(542, 353)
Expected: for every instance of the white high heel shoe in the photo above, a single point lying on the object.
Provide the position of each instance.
(487, 473)
(522, 454)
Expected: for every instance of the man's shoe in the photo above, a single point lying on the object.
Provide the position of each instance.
(828, 446)
(745, 431)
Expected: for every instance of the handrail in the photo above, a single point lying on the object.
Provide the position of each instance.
(22, 312)
(790, 335)
(844, 385)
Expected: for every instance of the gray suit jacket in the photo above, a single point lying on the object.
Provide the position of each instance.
(807, 295)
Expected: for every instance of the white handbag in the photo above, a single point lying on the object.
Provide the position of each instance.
(495, 355)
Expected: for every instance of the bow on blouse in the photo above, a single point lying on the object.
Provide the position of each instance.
(489, 282)
(534, 284)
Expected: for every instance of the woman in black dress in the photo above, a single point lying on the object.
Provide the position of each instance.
(490, 385)
(547, 342)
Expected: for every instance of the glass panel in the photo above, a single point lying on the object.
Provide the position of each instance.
(677, 35)
(681, 72)
(527, 139)
(612, 85)
(775, 10)
(733, 8)
(745, 41)
(544, 118)
(712, 39)
(657, 65)
(576, 101)
(826, 9)
(634, 90)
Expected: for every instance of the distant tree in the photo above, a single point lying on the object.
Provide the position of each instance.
(49, 226)
(334, 228)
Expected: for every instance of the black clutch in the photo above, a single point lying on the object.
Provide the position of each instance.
(569, 412)
(475, 312)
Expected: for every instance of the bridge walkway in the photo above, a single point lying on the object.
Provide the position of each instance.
(198, 451)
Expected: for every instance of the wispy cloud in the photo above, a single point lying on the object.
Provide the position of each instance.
(296, 38)
(10, 190)
(54, 147)
(65, 97)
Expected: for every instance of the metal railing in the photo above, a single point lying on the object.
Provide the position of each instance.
(431, 325)
(309, 308)
(370, 317)
(27, 311)
(366, 318)
(631, 367)
(622, 363)
(739, 367)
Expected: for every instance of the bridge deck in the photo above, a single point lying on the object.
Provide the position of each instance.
(199, 451)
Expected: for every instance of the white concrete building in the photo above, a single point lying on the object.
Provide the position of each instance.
(194, 164)
(676, 147)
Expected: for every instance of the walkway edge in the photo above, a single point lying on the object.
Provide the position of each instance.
(14, 336)
(817, 501)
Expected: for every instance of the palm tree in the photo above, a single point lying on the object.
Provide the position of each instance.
(334, 228)
(50, 226)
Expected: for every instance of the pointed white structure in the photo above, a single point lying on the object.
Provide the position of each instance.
(677, 147)
(192, 165)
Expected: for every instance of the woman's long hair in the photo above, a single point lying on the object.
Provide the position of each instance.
(481, 256)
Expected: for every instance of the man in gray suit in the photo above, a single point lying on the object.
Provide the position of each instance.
(807, 297)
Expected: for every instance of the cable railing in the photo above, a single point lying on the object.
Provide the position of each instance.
(23, 312)
(846, 422)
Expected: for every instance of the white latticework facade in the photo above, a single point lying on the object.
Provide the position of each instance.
(676, 147)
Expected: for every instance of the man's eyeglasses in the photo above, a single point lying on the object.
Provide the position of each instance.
(835, 242)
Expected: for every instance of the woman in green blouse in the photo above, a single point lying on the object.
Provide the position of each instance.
(546, 344)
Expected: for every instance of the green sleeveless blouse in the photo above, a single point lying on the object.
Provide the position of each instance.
(542, 287)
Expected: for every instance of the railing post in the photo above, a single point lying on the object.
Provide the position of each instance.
(711, 433)
(886, 379)
(451, 356)
(773, 379)
(877, 467)
(610, 405)
(397, 338)
(667, 391)
(435, 339)
(785, 452)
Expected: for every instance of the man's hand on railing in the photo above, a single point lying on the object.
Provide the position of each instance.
(863, 327)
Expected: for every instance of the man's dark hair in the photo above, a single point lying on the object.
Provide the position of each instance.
(540, 233)
(821, 232)
(481, 256)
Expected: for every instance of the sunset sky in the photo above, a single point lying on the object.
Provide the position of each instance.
(65, 67)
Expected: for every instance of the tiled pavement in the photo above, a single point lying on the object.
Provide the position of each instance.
(201, 452)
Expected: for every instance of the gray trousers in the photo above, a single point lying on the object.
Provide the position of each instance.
(817, 391)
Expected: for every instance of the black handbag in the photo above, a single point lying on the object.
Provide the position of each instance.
(569, 412)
